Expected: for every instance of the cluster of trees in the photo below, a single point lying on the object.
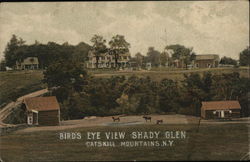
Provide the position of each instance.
(167, 57)
(82, 95)
(17, 50)
(228, 61)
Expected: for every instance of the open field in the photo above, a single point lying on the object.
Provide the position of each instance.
(211, 142)
(14, 84)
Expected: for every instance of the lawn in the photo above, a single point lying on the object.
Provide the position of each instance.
(211, 142)
(14, 84)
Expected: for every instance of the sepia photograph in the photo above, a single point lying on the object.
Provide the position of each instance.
(124, 81)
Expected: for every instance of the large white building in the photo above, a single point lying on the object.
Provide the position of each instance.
(108, 61)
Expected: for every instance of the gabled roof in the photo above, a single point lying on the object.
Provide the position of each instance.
(30, 60)
(41, 103)
(220, 105)
(207, 57)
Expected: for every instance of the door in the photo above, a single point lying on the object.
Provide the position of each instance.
(30, 120)
(222, 114)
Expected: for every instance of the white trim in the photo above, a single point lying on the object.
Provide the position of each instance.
(34, 111)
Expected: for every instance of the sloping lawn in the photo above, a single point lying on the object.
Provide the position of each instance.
(14, 84)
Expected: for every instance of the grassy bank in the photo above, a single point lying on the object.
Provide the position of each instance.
(175, 74)
(14, 84)
(212, 142)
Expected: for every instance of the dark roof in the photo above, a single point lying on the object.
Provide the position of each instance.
(41, 103)
(220, 105)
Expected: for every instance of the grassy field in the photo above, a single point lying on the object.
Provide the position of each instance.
(14, 84)
(211, 142)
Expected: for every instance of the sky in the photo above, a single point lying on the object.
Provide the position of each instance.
(210, 27)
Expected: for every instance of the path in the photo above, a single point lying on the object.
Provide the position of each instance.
(6, 110)
(107, 121)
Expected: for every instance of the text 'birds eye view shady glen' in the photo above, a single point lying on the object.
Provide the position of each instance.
(124, 81)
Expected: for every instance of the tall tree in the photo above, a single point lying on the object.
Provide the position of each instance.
(98, 47)
(164, 58)
(153, 56)
(245, 57)
(10, 52)
(81, 51)
(139, 59)
(118, 46)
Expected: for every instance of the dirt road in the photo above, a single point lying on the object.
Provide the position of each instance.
(129, 120)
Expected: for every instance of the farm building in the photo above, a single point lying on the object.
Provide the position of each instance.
(220, 109)
(42, 110)
(206, 61)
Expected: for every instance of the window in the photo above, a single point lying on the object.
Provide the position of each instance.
(124, 57)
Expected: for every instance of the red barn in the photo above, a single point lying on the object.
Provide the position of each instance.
(220, 109)
(42, 110)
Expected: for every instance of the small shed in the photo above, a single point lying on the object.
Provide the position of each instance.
(42, 110)
(220, 109)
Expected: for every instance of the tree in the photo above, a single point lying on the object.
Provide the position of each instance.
(2, 65)
(186, 55)
(153, 56)
(168, 96)
(10, 51)
(98, 47)
(139, 59)
(118, 46)
(164, 58)
(67, 74)
(81, 51)
(245, 57)
(228, 61)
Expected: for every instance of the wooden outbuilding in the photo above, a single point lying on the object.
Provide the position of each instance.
(206, 61)
(220, 109)
(42, 110)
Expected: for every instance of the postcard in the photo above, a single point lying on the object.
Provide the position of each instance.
(124, 81)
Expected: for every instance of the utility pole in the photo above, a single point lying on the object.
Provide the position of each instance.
(165, 39)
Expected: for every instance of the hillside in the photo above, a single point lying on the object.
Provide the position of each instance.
(175, 74)
(14, 84)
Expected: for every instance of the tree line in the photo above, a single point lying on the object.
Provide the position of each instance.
(81, 95)
(17, 50)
